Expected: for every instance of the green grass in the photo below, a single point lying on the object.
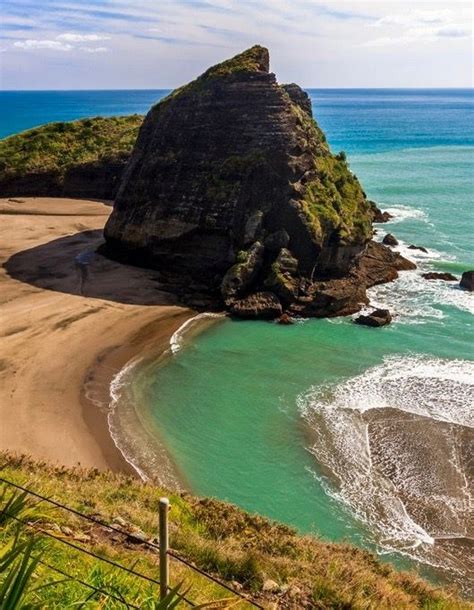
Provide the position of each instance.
(246, 62)
(58, 146)
(332, 200)
(240, 548)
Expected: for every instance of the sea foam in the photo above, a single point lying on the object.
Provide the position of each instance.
(177, 339)
(411, 298)
(375, 461)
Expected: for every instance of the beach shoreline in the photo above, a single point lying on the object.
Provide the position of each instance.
(63, 342)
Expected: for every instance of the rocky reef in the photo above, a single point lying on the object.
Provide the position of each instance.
(234, 196)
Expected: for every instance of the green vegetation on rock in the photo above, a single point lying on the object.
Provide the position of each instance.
(254, 59)
(56, 147)
(246, 550)
(333, 199)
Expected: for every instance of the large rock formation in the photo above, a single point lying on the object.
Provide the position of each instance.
(232, 193)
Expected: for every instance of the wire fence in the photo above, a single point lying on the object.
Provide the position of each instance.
(130, 536)
(87, 585)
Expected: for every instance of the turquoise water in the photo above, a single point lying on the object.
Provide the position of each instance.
(241, 407)
(276, 418)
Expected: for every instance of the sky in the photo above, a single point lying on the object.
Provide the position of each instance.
(151, 44)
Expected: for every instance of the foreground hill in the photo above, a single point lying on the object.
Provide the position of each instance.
(83, 159)
(270, 561)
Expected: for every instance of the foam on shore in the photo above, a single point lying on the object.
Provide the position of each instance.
(177, 339)
(379, 441)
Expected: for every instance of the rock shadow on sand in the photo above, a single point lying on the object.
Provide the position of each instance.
(72, 265)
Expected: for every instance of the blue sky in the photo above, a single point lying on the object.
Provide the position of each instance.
(103, 44)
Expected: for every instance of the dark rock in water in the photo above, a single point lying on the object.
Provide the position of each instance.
(285, 320)
(390, 240)
(446, 277)
(338, 297)
(378, 264)
(378, 317)
(256, 305)
(412, 247)
(378, 215)
(232, 183)
(467, 280)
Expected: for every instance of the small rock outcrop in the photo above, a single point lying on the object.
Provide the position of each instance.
(377, 318)
(377, 215)
(421, 248)
(232, 187)
(467, 281)
(285, 320)
(263, 305)
(390, 240)
(433, 275)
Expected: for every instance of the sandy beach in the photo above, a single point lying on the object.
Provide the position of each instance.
(70, 319)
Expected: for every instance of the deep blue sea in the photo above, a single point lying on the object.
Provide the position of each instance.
(356, 120)
(349, 432)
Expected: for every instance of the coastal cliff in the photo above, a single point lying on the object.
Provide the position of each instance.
(82, 159)
(234, 196)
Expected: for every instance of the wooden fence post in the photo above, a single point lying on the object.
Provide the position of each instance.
(164, 545)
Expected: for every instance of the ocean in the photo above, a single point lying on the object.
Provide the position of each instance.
(348, 432)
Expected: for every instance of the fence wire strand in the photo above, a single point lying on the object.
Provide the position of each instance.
(173, 554)
(88, 585)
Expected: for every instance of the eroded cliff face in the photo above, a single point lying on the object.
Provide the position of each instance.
(233, 194)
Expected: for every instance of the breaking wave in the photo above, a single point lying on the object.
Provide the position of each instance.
(177, 339)
(411, 298)
(392, 444)
(401, 213)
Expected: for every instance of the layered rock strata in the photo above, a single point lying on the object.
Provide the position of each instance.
(234, 196)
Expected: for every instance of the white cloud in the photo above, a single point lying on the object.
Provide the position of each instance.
(421, 35)
(317, 43)
(413, 17)
(418, 26)
(94, 49)
(454, 31)
(64, 42)
(69, 37)
(53, 45)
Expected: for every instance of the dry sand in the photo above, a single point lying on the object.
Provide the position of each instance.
(60, 348)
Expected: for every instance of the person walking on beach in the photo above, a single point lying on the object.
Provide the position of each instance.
(81, 264)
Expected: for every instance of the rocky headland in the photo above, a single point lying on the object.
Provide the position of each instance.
(233, 195)
(81, 159)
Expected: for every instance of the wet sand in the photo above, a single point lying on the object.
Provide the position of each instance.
(67, 326)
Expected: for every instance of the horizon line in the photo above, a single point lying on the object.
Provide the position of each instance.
(470, 87)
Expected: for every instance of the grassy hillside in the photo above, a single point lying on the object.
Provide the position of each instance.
(57, 146)
(248, 551)
(62, 158)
